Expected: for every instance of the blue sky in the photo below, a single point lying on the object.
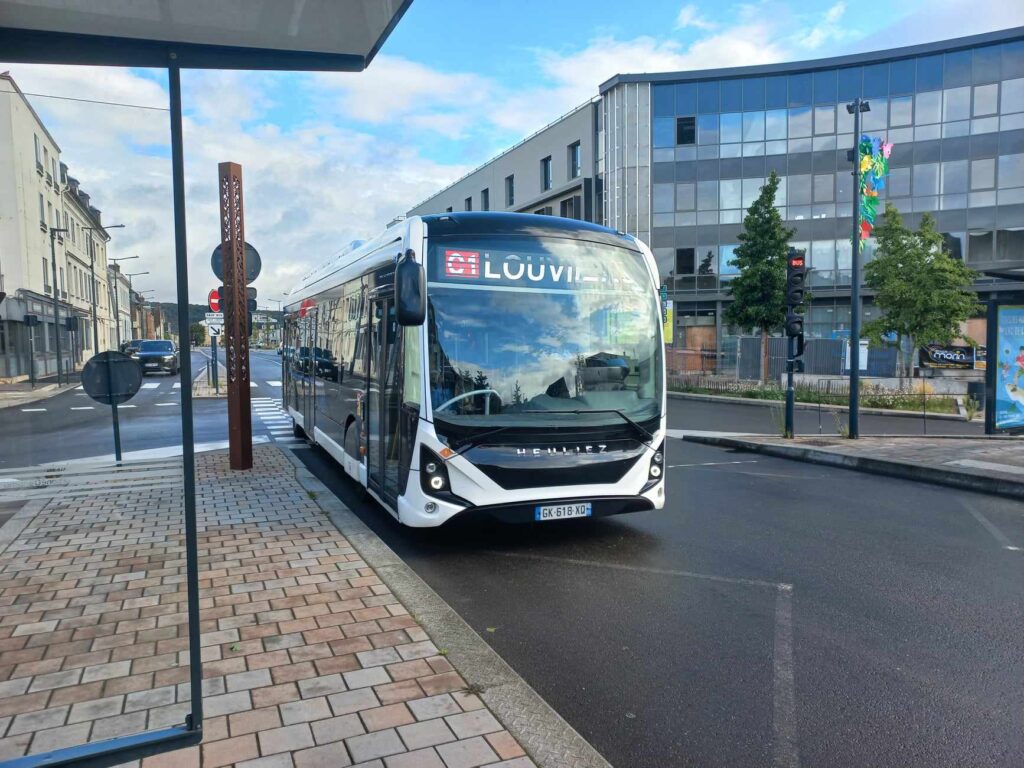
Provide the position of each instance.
(330, 157)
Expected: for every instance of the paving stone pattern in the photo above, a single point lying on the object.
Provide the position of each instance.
(309, 660)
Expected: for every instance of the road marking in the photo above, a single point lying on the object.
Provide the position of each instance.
(177, 385)
(990, 465)
(786, 754)
(681, 433)
(274, 383)
(998, 535)
(125, 406)
(253, 384)
(151, 385)
(32, 410)
(712, 464)
(83, 407)
(159, 404)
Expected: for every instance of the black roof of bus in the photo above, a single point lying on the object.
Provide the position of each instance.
(500, 223)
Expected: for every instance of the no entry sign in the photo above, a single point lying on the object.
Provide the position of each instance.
(214, 300)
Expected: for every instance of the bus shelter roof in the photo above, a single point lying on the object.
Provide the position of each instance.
(341, 35)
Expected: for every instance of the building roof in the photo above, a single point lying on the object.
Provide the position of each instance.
(10, 79)
(788, 67)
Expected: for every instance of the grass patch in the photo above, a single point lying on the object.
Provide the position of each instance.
(870, 397)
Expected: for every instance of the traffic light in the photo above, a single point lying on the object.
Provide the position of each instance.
(795, 274)
(251, 305)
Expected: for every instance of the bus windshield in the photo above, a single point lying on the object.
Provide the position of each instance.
(522, 328)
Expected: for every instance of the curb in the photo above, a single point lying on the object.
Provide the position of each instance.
(542, 732)
(42, 392)
(810, 406)
(961, 479)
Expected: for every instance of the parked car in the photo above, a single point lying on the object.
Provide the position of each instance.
(158, 355)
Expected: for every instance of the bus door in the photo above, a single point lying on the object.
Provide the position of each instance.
(383, 400)
(307, 370)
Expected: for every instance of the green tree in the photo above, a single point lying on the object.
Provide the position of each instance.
(759, 290)
(924, 294)
(198, 333)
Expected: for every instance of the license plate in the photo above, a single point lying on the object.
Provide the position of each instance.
(152, 365)
(561, 511)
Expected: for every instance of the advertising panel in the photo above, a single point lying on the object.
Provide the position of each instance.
(947, 356)
(1010, 367)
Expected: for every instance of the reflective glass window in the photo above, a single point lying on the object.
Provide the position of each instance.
(730, 150)
(707, 129)
(731, 127)
(707, 152)
(927, 132)
(876, 80)
(798, 189)
(823, 255)
(844, 185)
(1013, 96)
(986, 99)
(685, 196)
(775, 95)
(686, 130)
(707, 195)
(775, 124)
(926, 179)
(898, 182)
(775, 148)
(751, 190)
(957, 70)
(901, 77)
(1011, 171)
(1011, 122)
(985, 67)
(959, 128)
(800, 145)
(1012, 64)
(844, 254)
(983, 173)
(929, 73)
(753, 149)
(664, 100)
(734, 216)
(928, 108)
(727, 260)
(901, 110)
(849, 82)
(824, 184)
(730, 193)
(664, 131)
(753, 126)
(662, 198)
(707, 97)
(954, 177)
(686, 99)
(979, 245)
(877, 118)
(825, 119)
(825, 87)
(799, 90)
(822, 143)
(956, 104)
(984, 125)
(780, 193)
(753, 93)
(731, 96)
(799, 122)
(844, 120)
(707, 263)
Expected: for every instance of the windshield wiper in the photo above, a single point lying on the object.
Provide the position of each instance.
(639, 429)
(463, 444)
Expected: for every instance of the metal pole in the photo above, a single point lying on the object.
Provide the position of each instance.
(991, 344)
(854, 431)
(790, 357)
(92, 290)
(56, 304)
(194, 721)
(117, 310)
(214, 363)
(32, 358)
(113, 413)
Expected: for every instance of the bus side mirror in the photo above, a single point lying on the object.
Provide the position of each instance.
(410, 291)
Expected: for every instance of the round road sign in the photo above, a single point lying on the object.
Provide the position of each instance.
(111, 378)
(252, 263)
(214, 300)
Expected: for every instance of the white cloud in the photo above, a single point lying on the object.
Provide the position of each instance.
(829, 29)
(689, 16)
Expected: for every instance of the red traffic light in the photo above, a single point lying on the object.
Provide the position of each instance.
(796, 262)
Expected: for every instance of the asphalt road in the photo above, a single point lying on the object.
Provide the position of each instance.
(72, 426)
(776, 613)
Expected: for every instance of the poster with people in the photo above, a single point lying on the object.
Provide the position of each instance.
(1010, 367)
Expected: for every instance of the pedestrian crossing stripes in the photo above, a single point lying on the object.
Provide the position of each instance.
(277, 423)
(156, 389)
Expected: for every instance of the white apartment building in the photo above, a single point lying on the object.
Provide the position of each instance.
(37, 198)
(119, 298)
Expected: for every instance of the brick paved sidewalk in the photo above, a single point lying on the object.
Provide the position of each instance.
(310, 660)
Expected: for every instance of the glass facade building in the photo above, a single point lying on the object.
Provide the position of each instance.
(680, 156)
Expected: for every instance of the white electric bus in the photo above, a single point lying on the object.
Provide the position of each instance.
(485, 363)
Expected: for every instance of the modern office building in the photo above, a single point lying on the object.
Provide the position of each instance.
(679, 156)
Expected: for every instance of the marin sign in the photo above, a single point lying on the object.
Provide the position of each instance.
(946, 356)
(1009, 362)
(253, 264)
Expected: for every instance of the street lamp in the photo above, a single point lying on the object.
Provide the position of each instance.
(117, 303)
(92, 275)
(855, 108)
(56, 304)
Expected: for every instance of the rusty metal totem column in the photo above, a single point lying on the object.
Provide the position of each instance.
(234, 304)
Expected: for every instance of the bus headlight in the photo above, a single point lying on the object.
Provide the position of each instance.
(657, 463)
(433, 473)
